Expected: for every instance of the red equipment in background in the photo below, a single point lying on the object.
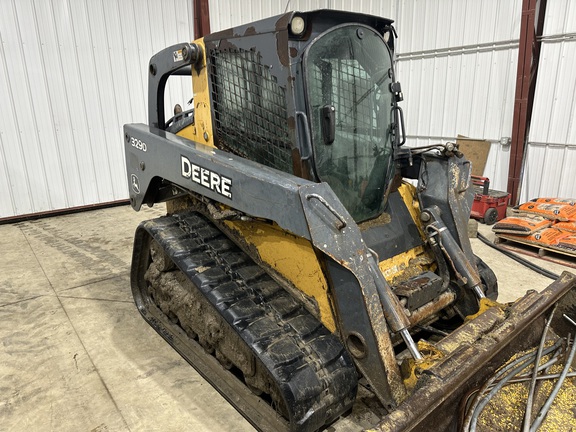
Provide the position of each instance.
(489, 205)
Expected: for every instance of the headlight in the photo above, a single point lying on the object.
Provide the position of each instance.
(297, 25)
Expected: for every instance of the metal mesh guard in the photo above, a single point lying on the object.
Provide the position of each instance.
(249, 109)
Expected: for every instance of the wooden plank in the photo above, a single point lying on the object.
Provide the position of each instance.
(537, 251)
(476, 151)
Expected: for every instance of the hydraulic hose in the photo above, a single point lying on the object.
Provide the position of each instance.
(518, 259)
(544, 410)
(501, 377)
(532, 388)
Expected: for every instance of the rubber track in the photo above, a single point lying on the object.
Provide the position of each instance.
(315, 374)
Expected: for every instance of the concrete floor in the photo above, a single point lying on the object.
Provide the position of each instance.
(77, 356)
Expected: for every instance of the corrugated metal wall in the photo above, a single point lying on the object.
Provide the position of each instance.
(72, 72)
(550, 168)
(457, 64)
(229, 13)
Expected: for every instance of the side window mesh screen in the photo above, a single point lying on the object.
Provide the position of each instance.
(250, 112)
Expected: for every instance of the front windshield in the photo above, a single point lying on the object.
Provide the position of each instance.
(348, 73)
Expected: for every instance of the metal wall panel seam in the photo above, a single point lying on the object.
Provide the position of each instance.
(550, 179)
(108, 81)
(67, 101)
(446, 81)
(562, 167)
(115, 93)
(178, 88)
(66, 136)
(5, 166)
(97, 86)
(35, 123)
(475, 95)
(83, 99)
(169, 92)
(3, 65)
(184, 88)
(432, 98)
(185, 92)
(488, 87)
(47, 148)
(554, 91)
(542, 168)
(187, 83)
(64, 185)
(572, 115)
(531, 173)
(490, 76)
(125, 66)
(13, 128)
(555, 11)
(422, 76)
(150, 26)
(144, 87)
(565, 117)
(458, 86)
(117, 42)
(15, 114)
(566, 16)
(146, 31)
(506, 84)
(97, 89)
(444, 118)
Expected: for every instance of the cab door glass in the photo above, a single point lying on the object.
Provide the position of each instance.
(348, 76)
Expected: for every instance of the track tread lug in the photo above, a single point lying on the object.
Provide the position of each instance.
(284, 305)
(284, 352)
(311, 368)
(221, 245)
(305, 383)
(250, 273)
(227, 293)
(305, 325)
(208, 232)
(197, 262)
(263, 330)
(235, 259)
(211, 277)
(267, 289)
(325, 348)
(243, 310)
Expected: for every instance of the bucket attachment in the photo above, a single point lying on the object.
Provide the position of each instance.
(475, 351)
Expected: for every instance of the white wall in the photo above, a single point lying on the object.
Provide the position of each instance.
(550, 168)
(72, 72)
(229, 13)
(457, 64)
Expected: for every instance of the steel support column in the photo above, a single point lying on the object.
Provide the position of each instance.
(201, 18)
(531, 27)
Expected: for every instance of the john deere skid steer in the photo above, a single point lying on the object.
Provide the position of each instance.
(298, 268)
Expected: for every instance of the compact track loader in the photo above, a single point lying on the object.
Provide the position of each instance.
(297, 269)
